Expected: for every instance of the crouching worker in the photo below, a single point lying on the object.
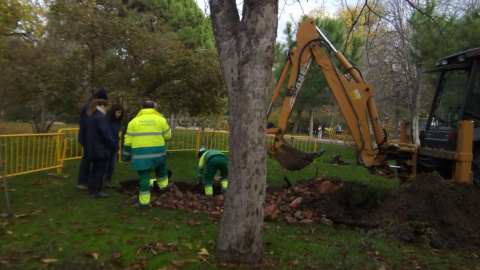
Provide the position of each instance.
(145, 147)
(210, 162)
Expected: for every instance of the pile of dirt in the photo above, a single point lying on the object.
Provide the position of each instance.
(429, 210)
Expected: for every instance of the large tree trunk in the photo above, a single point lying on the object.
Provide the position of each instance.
(246, 50)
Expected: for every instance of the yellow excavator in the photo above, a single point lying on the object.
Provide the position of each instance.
(355, 99)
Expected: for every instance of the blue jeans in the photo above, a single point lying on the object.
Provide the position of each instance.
(84, 170)
(111, 164)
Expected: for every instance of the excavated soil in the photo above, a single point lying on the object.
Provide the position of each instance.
(429, 211)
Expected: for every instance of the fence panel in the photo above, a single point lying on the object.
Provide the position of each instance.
(302, 143)
(213, 140)
(73, 148)
(182, 140)
(27, 153)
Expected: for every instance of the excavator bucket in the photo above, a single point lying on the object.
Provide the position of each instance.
(290, 158)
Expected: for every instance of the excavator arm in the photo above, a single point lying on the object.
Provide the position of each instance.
(352, 93)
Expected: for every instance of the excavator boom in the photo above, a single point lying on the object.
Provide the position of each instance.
(352, 93)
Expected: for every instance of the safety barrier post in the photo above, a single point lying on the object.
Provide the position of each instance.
(58, 152)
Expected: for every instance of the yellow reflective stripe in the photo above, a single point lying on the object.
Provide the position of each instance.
(152, 181)
(224, 184)
(209, 190)
(148, 156)
(162, 182)
(144, 197)
(138, 134)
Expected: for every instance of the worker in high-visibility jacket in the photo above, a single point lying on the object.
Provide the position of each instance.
(145, 146)
(210, 162)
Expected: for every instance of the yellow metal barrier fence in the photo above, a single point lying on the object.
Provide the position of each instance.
(73, 148)
(213, 140)
(302, 143)
(28, 153)
(220, 140)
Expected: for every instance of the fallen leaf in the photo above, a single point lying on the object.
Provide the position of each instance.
(408, 251)
(20, 215)
(203, 251)
(132, 241)
(117, 255)
(46, 260)
(101, 231)
(182, 262)
(9, 232)
(95, 255)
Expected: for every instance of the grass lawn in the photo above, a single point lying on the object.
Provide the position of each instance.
(7, 127)
(56, 226)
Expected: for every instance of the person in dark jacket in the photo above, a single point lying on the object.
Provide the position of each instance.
(85, 163)
(99, 145)
(115, 116)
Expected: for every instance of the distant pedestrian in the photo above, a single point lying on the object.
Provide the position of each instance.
(99, 144)
(338, 129)
(145, 147)
(115, 117)
(85, 163)
(320, 129)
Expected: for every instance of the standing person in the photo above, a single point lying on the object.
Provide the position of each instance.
(210, 162)
(115, 116)
(99, 144)
(338, 129)
(85, 163)
(320, 129)
(145, 147)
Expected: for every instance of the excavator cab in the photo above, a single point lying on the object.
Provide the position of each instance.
(456, 99)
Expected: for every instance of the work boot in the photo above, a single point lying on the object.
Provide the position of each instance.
(82, 187)
(108, 183)
(100, 194)
(141, 206)
(168, 187)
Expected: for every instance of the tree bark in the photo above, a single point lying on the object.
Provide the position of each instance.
(246, 50)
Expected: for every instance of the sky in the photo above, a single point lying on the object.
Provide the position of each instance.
(289, 10)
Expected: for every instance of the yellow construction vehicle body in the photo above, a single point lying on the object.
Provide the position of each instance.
(354, 97)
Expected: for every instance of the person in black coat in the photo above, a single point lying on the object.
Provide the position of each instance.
(115, 116)
(85, 163)
(99, 145)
